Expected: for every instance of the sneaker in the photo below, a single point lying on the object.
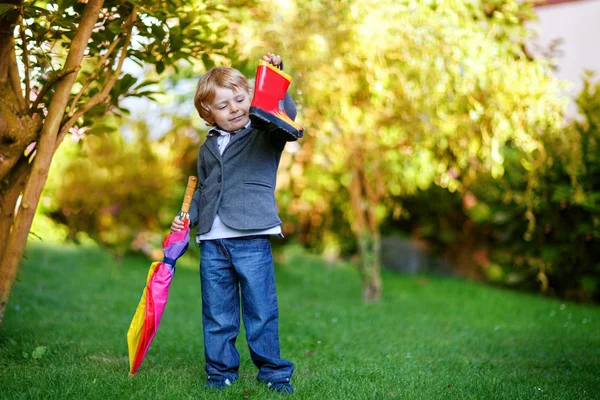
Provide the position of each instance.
(217, 384)
(281, 387)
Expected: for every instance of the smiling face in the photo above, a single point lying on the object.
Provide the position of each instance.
(230, 108)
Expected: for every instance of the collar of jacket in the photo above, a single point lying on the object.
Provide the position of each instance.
(211, 140)
(216, 131)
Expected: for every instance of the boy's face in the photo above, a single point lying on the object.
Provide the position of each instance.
(230, 108)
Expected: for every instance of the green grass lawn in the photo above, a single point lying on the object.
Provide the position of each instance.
(64, 336)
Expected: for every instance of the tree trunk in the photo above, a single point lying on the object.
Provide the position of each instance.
(365, 194)
(11, 257)
(369, 245)
(8, 200)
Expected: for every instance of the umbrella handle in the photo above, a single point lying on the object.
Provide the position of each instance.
(189, 193)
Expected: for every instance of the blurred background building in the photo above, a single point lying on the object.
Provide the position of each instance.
(570, 26)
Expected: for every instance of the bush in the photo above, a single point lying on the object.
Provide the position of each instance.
(537, 227)
(123, 194)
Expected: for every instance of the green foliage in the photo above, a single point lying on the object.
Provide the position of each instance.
(563, 246)
(537, 227)
(118, 191)
(443, 94)
(47, 230)
(454, 121)
(122, 193)
(424, 92)
(429, 338)
(163, 35)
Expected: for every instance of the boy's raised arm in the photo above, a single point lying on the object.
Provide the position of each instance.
(290, 106)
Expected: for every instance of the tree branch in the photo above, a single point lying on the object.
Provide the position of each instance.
(103, 95)
(92, 76)
(57, 77)
(356, 200)
(372, 199)
(15, 78)
(7, 27)
(25, 56)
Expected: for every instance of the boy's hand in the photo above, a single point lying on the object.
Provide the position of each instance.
(177, 224)
(273, 59)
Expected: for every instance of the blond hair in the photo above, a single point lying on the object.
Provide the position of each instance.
(224, 77)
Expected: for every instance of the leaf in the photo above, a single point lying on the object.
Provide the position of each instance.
(34, 11)
(160, 67)
(145, 93)
(126, 82)
(158, 32)
(147, 82)
(550, 253)
(36, 235)
(561, 193)
(6, 8)
(39, 352)
(208, 63)
(480, 213)
(115, 29)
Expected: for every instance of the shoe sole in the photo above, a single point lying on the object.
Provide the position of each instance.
(264, 120)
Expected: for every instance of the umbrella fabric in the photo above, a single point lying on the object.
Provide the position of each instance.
(154, 297)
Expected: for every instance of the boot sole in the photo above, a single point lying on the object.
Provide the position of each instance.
(268, 122)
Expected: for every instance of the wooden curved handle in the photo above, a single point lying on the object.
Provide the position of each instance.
(189, 193)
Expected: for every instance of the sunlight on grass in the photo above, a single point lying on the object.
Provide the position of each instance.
(430, 337)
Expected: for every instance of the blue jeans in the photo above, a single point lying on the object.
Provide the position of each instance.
(226, 266)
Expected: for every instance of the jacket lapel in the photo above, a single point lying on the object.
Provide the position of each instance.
(235, 141)
(211, 143)
(239, 135)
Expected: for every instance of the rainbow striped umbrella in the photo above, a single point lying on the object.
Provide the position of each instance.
(154, 297)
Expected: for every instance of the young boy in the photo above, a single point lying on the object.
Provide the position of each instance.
(234, 209)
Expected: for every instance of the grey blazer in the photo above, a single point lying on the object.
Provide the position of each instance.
(240, 184)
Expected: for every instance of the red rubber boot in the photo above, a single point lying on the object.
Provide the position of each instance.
(266, 110)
